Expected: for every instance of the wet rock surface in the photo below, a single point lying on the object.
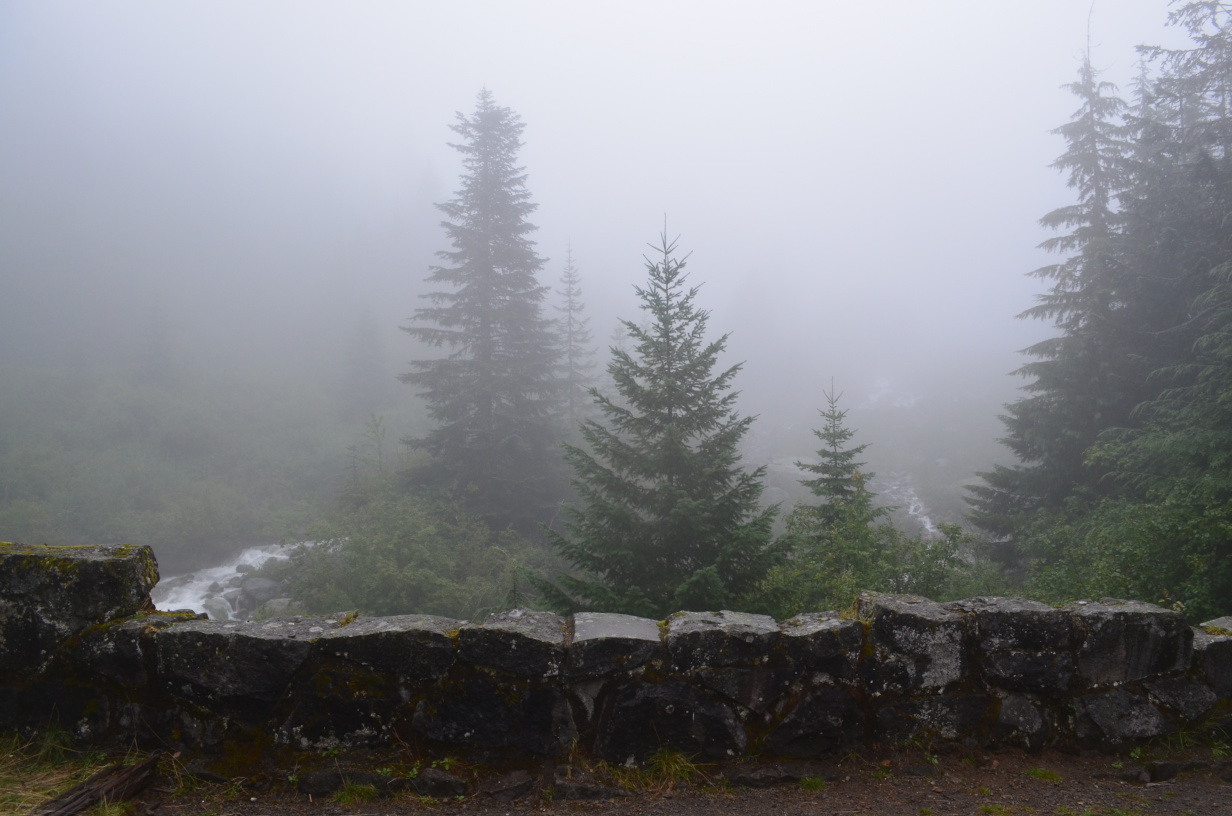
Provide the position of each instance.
(237, 670)
(917, 645)
(1118, 718)
(1213, 658)
(605, 643)
(48, 594)
(521, 642)
(825, 721)
(821, 641)
(489, 712)
(1120, 641)
(641, 718)
(415, 647)
(712, 639)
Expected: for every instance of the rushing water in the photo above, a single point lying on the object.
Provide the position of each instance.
(215, 590)
(898, 490)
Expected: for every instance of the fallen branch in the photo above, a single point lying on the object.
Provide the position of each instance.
(114, 784)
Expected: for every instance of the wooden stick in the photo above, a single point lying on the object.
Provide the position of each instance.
(115, 784)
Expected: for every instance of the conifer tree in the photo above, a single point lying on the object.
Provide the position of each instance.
(1082, 381)
(577, 354)
(668, 519)
(494, 396)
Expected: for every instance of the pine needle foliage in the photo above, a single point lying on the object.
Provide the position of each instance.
(668, 518)
(494, 397)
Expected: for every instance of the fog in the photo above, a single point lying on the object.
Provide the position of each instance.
(251, 184)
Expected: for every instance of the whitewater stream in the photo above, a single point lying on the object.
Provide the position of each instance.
(217, 591)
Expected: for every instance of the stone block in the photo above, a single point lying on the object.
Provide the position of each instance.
(410, 647)
(821, 641)
(917, 645)
(1121, 641)
(1188, 698)
(116, 652)
(1213, 658)
(957, 718)
(824, 721)
(492, 713)
(1032, 672)
(605, 643)
(1117, 719)
(237, 670)
(1021, 722)
(1015, 624)
(48, 594)
(640, 718)
(756, 688)
(521, 642)
(714, 639)
(331, 707)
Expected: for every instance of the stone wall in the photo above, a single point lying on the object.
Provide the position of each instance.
(79, 645)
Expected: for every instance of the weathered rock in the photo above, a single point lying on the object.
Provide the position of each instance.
(605, 643)
(1120, 641)
(640, 718)
(1020, 722)
(755, 688)
(510, 786)
(1188, 698)
(697, 639)
(1117, 718)
(1213, 657)
(821, 641)
(521, 642)
(339, 707)
(412, 647)
(824, 721)
(114, 653)
(1032, 672)
(260, 590)
(917, 644)
(48, 594)
(949, 718)
(438, 784)
(495, 714)
(237, 670)
(1016, 624)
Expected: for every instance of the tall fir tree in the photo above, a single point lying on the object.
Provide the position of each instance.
(1083, 380)
(494, 397)
(577, 355)
(668, 518)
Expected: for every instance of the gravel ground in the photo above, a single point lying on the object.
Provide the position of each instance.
(879, 782)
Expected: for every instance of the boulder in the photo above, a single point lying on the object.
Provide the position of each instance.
(956, 718)
(1213, 658)
(822, 642)
(237, 670)
(493, 713)
(521, 642)
(605, 643)
(1117, 718)
(710, 639)
(1121, 641)
(259, 590)
(917, 645)
(411, 647)
(48, 594)
(825, 721)
(1021, 722)
(510, 786)
(438, 784)
(638, 719)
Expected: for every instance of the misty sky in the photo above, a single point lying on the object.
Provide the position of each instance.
(859, 183)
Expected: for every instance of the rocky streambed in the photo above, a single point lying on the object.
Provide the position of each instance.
(229, 591)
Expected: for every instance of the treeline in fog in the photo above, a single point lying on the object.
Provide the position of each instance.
(530, 458)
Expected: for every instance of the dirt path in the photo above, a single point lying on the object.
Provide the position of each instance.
(889, 782)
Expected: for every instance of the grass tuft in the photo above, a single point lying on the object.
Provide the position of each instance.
(352, 793)
(1043, 774)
